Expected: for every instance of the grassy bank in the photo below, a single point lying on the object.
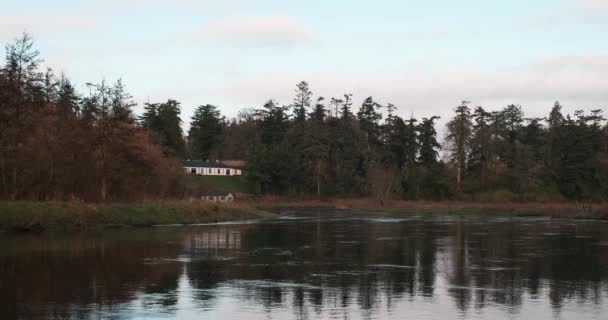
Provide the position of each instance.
(235, 184)
(557, 209)
(32, 216)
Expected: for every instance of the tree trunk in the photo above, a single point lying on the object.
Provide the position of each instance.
(103, 189)
(14, 195)
(458, 177)
(318, 179)
(3, 170)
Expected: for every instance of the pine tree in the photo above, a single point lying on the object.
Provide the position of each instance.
(369, 119)
(167, 127)
(345, 112)
(319, 113)
(481, 153)
(205, 134)
(553, 145)
(427, 140)
(458, 139)
(121, 103)
(302, 101)
(512, 119)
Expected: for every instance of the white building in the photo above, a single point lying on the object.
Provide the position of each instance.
(217, 196)
(206, 168)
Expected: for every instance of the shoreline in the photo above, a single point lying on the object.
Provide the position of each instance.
(24, 216)
(531, 209)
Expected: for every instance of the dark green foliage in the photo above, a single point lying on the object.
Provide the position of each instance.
(574, 162)
(369, 120)
(348, 159)
(427, 141)
(458, 139)
(269, 159)
(205, 135)
(345, 112)
(435, 182)
(301, 102)
(320, 112)
(164, 127)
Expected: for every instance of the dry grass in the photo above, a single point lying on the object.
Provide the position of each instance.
(28, 216)
(551, 209)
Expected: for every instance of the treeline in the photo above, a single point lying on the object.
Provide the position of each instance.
(559, 156)
(314, 146)
(56, 144)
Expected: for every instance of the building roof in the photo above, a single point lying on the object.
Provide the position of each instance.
(203, 164)
(215, 194)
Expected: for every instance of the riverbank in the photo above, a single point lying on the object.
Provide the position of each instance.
(39, 216)
(556, 210)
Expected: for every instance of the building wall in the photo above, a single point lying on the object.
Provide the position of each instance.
(218, 199)
(213, 171)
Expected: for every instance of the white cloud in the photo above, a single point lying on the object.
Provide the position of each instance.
(264, 31)
(577, 81)
(13, 25)
(593, 7)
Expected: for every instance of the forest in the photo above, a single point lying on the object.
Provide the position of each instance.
(59, 144)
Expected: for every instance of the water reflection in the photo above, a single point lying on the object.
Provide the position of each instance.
(309, 266)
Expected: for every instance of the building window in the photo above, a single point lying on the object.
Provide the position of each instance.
(193, 171)
(221, 198)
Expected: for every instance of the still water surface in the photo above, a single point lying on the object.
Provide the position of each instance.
(314, 266)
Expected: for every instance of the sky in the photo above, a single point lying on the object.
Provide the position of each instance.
(423, 56)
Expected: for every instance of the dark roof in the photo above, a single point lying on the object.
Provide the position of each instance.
(203, 164)
(215, 194)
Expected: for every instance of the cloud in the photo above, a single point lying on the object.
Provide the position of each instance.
(589, 64)
(263, 31)
(12, 25)
(577, 81)
(593, 7)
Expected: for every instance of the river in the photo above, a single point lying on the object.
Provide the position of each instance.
(314, 265)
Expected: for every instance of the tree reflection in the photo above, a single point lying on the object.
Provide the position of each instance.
(313, 266)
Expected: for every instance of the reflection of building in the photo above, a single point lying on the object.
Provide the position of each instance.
(222, 239)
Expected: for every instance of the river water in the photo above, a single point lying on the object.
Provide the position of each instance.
(314, 265)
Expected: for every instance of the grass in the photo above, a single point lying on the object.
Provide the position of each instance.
(235, 184)
(545, 209)
(28, 216)
(32, 216)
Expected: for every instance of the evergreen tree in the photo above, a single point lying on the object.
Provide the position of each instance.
(369, 120)
(67, 98)
(270, 162)
(512, 119)
(576, 149)
(458, 139)
(427, 140)
(345, 112)
(163, 123)
(409, 175)
(319, 113)
(205, 134)
(481, 153)
(553, 145)
(274, 122)
(533, 135)
(302, 101)
(121, 103)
